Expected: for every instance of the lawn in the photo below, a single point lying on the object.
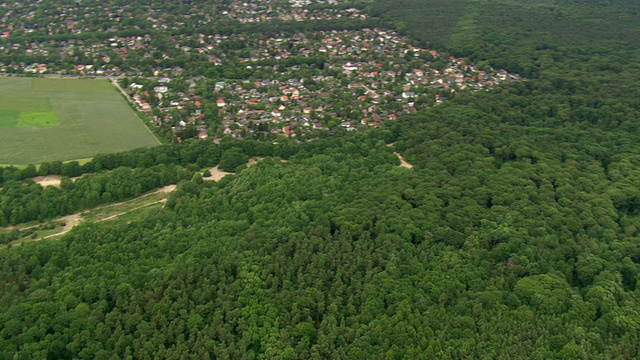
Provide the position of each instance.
(45, 119)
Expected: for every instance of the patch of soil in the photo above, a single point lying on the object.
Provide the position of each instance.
(49, 180)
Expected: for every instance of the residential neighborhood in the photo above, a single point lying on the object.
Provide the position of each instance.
(190, 76)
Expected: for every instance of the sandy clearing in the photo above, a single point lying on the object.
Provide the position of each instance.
(216, 174)
(49, 180)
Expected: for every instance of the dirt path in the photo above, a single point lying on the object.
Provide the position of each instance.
(164, 190)
(167, 189)
(124, 93)
(73, 220)
(113, 216)
(403, 162)
(70, 221)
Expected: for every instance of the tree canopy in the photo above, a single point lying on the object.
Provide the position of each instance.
(514, 235)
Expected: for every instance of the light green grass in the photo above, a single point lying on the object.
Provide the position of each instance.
(16, 112)
(38, 118)
(45, 119)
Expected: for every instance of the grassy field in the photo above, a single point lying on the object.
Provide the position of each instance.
(65, 119)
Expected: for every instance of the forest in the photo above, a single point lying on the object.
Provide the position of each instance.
(515, 234)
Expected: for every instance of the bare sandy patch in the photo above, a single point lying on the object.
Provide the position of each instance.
(216, 174)
(49, 180)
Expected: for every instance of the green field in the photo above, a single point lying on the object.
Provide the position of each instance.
(65, 119)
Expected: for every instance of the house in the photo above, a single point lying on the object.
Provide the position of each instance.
(349, 67)
(161, 89)
(288, 132)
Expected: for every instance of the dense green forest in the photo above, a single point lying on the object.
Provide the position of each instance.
(514, 235)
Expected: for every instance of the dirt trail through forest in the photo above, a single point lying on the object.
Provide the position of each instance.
(403, 162)
(72, 220)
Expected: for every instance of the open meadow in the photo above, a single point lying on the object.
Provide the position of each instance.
(44, 119)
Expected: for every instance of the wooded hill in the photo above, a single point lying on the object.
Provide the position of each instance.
(515, 235)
